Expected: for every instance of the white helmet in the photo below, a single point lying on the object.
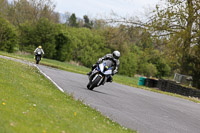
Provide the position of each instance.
(116, 54)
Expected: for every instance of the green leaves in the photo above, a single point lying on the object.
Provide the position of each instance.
(87, 45)
(178, 26)
(8, 36)
(63, 46)
(128, 64)
(73, 20)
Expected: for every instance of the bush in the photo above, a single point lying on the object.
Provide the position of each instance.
(45, 33)
(160, 62)
(128, 64)
(63, 46)
(27, 37)
(87, 46)
(8, 36)
(150, 70)
(42, 33)
(151, 63)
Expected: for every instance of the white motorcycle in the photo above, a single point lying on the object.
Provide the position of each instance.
(100, 74)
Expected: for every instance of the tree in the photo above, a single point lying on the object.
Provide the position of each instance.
(63, 46)
(45, 33)
(4, 7)
(159, 61)
(27, 36)
(8, 36)
(87, 45)
(73, 20)
(32, 10)
(178, 23)
(116, 38)
(87, 22)
(99, 24)
(65, 17)
(195, 65)
(128, 64)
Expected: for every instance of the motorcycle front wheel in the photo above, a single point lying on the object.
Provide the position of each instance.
(37, 61)
(93, 84)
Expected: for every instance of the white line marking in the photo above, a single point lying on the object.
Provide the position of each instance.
(49, 78)
(29, 63)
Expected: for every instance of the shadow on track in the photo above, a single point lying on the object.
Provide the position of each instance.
(95, 91)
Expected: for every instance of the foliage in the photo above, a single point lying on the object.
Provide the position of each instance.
(27, 37)
(45, 32)
(116, 38)
(162, 67)
(128, 64)
(8, 36)
(194, 61)
(63, 46)
(88, 46)
(84, 41)
(149, 70)
(87, 22)
(31, 10)
(178, 25)
(4, 7)
(73, 20)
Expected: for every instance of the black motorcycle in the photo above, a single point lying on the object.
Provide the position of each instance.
(100, 74)
(38, 57)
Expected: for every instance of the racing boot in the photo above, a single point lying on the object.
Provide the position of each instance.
(109, 79)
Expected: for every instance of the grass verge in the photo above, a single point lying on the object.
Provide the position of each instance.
(29, 103)
(130, 81)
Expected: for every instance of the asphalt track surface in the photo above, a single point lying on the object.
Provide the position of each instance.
(145, 111)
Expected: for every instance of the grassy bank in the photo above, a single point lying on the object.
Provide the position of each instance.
(73, 67)
(29, 103)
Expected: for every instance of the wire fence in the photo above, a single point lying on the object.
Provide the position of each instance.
(183, 79)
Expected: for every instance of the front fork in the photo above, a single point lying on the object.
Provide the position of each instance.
(94, 75)
(105, 79)
(94, 71)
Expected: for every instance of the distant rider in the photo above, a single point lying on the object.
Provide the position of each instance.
(113, 57)
(39, 52)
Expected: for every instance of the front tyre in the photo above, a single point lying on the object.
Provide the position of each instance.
(93, 84)
(37, 61)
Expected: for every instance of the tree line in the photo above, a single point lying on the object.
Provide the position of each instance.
(158, 48)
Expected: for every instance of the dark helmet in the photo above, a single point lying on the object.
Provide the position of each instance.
(116, 54)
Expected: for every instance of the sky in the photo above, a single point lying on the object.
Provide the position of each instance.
(101, 8)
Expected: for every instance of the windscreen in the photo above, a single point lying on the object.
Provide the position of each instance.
(108, 63)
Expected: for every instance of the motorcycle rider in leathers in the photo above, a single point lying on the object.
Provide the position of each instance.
(114, 57)
(38, 50)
